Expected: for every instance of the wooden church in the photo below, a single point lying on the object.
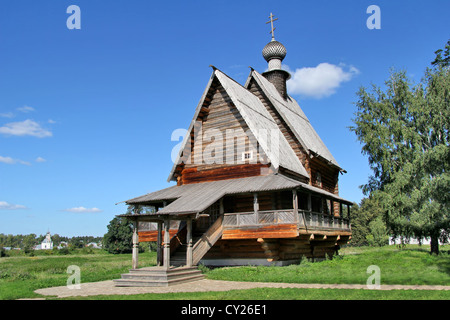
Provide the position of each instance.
(255, 184)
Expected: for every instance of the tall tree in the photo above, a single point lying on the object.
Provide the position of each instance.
(442, 61)
(404, 131)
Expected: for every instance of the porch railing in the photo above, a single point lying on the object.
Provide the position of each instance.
(272, 217)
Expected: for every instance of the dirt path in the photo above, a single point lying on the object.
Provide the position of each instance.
(108, 288)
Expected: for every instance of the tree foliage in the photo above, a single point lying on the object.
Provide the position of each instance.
(368, 227)
(404, 131)
(31, 240)
(442, 61)
(119, 238)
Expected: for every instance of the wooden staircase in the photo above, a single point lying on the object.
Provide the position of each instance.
(158, 277)
(203, 241)
(178, 258)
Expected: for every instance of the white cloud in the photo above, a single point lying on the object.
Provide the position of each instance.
(82, 210)
(7, 115)
(25, 128)
(39, 159)
(26, 109)
(320, 81)
(9, 160)
(9, 206)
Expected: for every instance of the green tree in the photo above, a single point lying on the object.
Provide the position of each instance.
(119, 237)
(76, 242)
(367, 223)
(404, 131)
(378, 235)
(442, 61)
(29, 241)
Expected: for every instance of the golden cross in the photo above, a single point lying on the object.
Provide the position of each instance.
(272, 29)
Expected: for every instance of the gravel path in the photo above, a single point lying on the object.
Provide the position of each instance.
(108, 288)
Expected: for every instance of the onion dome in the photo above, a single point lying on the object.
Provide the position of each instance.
(274, 50)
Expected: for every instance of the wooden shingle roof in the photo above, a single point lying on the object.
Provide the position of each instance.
(294, 116)
(197, 197)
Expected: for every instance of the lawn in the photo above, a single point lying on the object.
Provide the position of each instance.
(284, 294)
(21, 275)
(412, 265)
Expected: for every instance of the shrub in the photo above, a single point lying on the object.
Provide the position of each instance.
(3, 252)
(378, 233)
(64, 251)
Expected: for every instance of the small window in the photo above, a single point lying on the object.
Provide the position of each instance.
(247, 155)
(319, 179)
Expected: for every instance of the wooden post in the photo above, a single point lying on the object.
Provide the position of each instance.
(189, 256)
(256, 206)
(159, 257)
(341, 212)
(255, 202)
(295, 204)
(221, 208)
(166, 244)
(309, 209)
(348, 213)
(135, 250)
(309, 202)
(321, 205)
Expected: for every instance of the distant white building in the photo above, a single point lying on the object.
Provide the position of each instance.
(411, 240)
(47, 244)
(94, 245)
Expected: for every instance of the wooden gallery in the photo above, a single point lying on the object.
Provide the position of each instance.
(255, 185)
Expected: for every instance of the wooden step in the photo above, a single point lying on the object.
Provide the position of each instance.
(154, 283)
(158, 277)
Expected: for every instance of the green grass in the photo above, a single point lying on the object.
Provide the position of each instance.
(284, 294)
(21, 275)
(410, 266)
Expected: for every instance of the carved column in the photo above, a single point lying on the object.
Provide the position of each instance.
(135, 251)
(159, 252)
(189, 257)
(295, 204)
(166, 244)
(256, 207)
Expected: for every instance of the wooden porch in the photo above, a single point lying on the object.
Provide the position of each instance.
(285, 223)
(270, 226)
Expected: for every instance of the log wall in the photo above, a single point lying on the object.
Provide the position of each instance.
(311, 246)
(206, 174)
(149, 236)
(210, 151)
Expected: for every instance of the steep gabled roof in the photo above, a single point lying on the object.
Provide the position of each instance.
(294, 117)
(257, 118)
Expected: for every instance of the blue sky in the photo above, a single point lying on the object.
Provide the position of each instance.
(86, 115)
